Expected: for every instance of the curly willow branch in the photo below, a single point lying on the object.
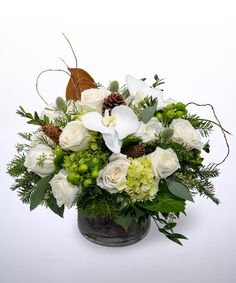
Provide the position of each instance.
(219, 125)
(49, 70)
(76, 61)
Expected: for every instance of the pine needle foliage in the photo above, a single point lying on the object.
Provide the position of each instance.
(205, 127)
(198, 181)
(26, 136)
(102, 205)
(25, 182)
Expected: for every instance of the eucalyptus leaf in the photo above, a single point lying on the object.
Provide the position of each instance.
(179, 190)
(40, 191)
(148, 113)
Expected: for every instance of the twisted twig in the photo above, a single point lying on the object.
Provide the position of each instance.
(76, 61)
(219, 125)
(49, 70)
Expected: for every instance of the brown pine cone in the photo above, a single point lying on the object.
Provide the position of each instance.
(52, 132)
(112, 100)
(134, 151)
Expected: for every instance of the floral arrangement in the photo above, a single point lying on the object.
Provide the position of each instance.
(124, 153)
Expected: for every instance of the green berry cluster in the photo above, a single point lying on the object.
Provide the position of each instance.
(84, 171)
(172, 111)
(83, 167)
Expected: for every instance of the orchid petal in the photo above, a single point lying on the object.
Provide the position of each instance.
(126, 121)
(139, 87)
(112, 142)
(93, 121)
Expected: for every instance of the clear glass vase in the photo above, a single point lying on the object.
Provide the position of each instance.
(107, 233)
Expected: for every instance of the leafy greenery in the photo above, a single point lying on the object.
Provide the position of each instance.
(198, 180)
(39, 193)
(16, 167)
(102, 204)
(167, 227)
(124, 220)
(149, 110)
(26, 136)
(179, 190)
(52, 204)
(164, 201)
(129, 141)
(158, 81)
(205, 127)
(33, 119)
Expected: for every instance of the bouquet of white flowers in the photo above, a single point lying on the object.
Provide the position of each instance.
(121, 154)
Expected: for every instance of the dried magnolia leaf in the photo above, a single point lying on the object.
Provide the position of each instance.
(79, 81)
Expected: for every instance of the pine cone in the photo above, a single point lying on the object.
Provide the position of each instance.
(134, 151)
(52, 132)
(112, 100)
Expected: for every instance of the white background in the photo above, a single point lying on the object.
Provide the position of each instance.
(193, 45)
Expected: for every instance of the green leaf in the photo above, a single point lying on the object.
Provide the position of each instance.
(176, 240)
(40, 191)
(52, 204)
(124, 221)
(148, 113)
(169, 226)
(130, 140)
(179, 190)
(164, 203)
(179, 236)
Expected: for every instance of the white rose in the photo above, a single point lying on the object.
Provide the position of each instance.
(150, 131)
(74, 136)
(51, 112)
(40, 160)
(63, 191)
(185, 133)
(92, 99)
(113, 177)
(164, 162)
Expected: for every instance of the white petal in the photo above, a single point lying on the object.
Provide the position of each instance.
(134, 85)
(139, 87)
(112, 142)
(126, 121)
(93, 121)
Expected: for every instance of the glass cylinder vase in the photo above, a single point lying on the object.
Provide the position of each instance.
(107, 233)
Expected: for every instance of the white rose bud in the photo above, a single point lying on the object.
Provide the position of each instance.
(184, 133)
(92, 99)
(63, 191)
(164, 162)
(113, 177)
(150, 131)
(40, 160)
(74, 136)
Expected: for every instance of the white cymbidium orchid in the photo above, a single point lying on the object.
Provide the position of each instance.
(121, 123)
(138, 90)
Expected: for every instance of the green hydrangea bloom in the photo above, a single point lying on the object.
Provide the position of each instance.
(141, 184)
